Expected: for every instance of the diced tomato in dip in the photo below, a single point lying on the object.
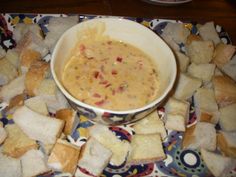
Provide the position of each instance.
(111, 74)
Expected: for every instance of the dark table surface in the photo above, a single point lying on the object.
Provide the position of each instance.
(222, 12)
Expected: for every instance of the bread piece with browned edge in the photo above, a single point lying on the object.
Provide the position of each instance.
(219, 165)
(200, 52)
(193, 37)
(32, 41)
(223, 54)
(146, 149)
(204, 72)
(26, 58)
(34, 163)
(227, 118)
(94, 157)
(36, 74)
(119, 148)
(225, 90)
(208, 32)
(182, 61)
(56, 27)
(71, 119)
(176, 114)
(186, 86)
(51, 95)
(37, 104)
(12, 89)
(206, 108)
(226, 141)
(151, 124)
(230, 68)
(37, 126)
(17, 142)
(14, 103)
(3, 133)
(200, 135)
(64, 157)
(21, 29)
(177, 31)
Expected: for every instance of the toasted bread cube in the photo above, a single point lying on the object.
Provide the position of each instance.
(182, 60)
(51, 95)
(223, 54)
(37, 104)
(42, 128)
(33, 42)
(10, 167)
(28, 57)
(66, 161)
(119, 148)
(200, 51)
(193, 37)
(225, 90)
(175, 122)
(33, 163)
(15, 102)
(71, 119)
(57, 26)
(227, 118)
(94, 157)
(172, 44)
(7, 71)
(34, 77)
(14, 88)
(3, 134)
(13, 57)
(151, 124)
(146, 149)
(21, 29)
(202, 71)
(176, 106)
(229, 68)
(186, 86)
(17, 142)
(217, 164)
(200, 135)
(177, 113)
(177, 32)
(226, 141)
(205, 105)
(208, 32)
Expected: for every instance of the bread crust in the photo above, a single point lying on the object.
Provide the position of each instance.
(68, 115)
(225, 90)
(28, 56)
(223, 53)
(188, 137)
(35, 76)
(17, 142)
(225, 148)
(68, 159)
(193, 37)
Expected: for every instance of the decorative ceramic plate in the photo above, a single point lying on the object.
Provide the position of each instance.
(167, 2)
(184, 163)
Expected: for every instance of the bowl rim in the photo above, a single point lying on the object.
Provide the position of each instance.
(102, 110)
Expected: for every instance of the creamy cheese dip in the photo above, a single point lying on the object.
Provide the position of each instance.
(111, 74)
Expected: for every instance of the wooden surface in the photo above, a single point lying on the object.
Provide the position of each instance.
(222, 12)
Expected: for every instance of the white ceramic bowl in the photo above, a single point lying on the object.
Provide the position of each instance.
(129, 32)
